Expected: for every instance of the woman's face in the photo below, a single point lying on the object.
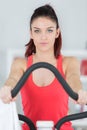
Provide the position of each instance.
(44, 32)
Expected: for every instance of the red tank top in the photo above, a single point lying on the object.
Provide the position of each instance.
(45, 103)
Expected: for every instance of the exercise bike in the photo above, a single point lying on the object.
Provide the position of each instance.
(65, 85)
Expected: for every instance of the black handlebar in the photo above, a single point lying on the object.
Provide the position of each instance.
(70, 118)
(27, 121)
(51, 68)
(65, 85)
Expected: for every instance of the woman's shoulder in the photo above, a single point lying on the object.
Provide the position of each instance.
(70, 62)
(70, 59)
(20, 62)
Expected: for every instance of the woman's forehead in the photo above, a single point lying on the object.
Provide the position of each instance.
(43, 22)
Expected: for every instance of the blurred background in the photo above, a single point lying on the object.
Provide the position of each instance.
(14, 31)
(14, 25)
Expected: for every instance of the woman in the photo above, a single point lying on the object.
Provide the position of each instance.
(41, 94)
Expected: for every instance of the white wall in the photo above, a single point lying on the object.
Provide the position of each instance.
(14, 24)
(15, 14)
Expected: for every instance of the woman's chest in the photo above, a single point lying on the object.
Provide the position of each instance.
(42, 77)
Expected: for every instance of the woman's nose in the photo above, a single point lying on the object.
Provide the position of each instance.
(43, 36)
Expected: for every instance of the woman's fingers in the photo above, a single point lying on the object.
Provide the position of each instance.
(5, 94)
(82, 97)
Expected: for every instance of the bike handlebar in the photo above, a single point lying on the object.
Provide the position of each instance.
(65, 85)
(57, 74)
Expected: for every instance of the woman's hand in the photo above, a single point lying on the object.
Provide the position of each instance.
(5, 94)
(82, 97)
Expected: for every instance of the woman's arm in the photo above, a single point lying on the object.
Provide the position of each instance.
(73, 78)
(17, 69)
(73, 74)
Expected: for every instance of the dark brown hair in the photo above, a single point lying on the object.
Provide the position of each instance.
(44, 11)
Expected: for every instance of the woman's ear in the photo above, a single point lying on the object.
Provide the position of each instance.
(57, 33)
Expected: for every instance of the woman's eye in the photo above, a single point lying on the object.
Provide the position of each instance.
(50, 30)
(36, 31)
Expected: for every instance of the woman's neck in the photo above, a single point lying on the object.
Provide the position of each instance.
(44, 57)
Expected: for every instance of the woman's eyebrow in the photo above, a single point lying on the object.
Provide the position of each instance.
(51, 27)
(36, 28)
(47, 27)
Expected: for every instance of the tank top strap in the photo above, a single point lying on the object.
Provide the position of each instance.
(29, 61)
(60, 64)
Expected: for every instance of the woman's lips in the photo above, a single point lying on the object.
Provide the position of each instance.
(43, 43)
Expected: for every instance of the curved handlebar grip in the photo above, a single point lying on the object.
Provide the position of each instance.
(69, 118)
(27, 121)
(57, 74)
